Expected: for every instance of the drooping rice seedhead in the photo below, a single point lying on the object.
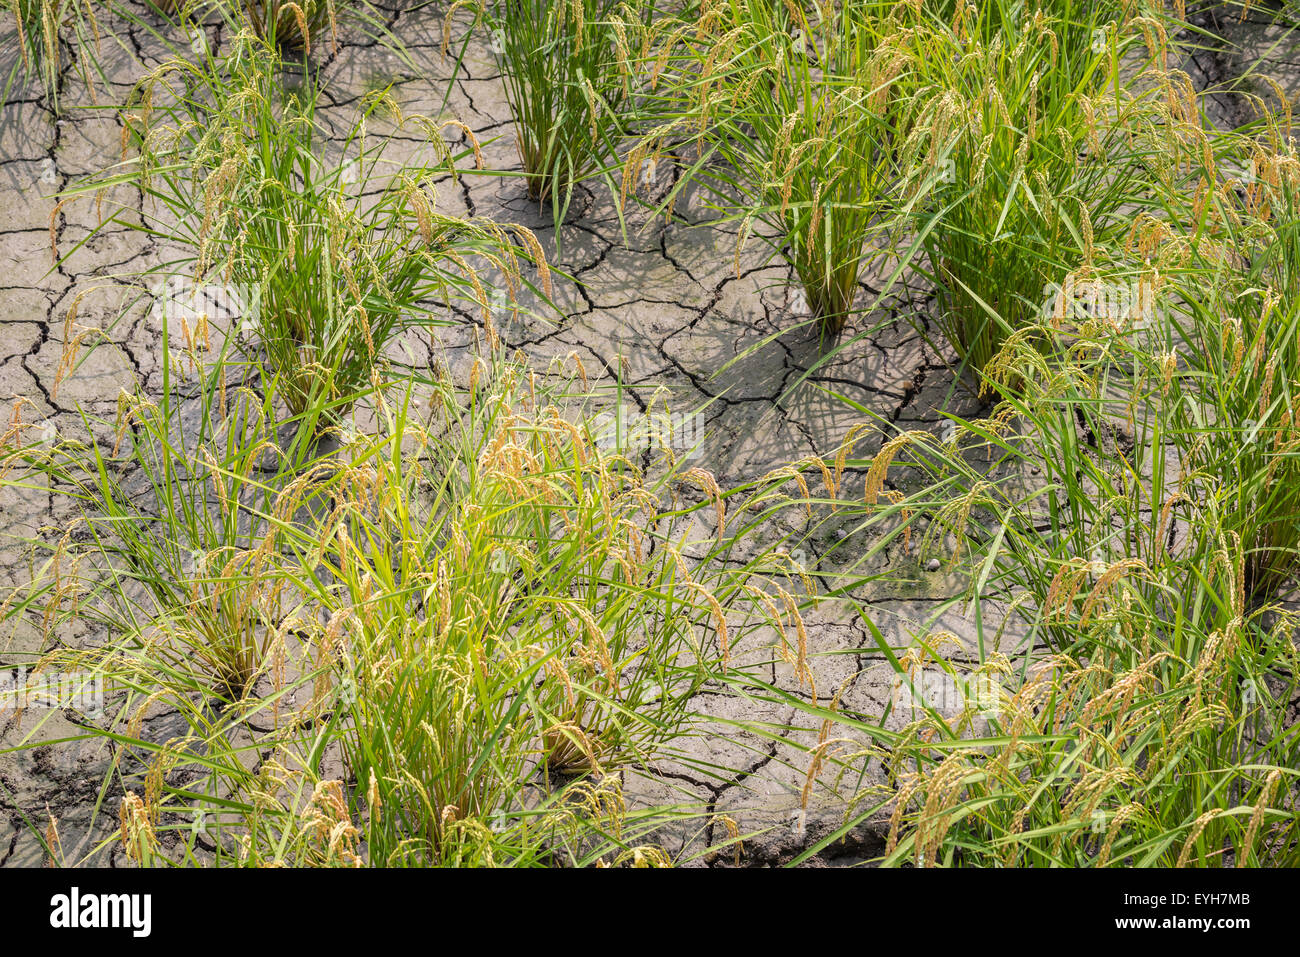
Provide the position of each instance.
(477, 370)
(22, 39)
(50, 32)
(1261, 807)
(719, 620)
(595, 105)
(1198, 826)
(423, 212)
(71, 349)
(1266, 393)
(54, 228)
(301, 19)
(534, 247)
(774, 616)
(1093, 787)
(803, 674)
(1085, 228)
(53, 846)
(622, 53)
(447, 17)
(646, 149)
(818, 758)
(779, 476)
(1064, 587)
(983, 154)
(137, 830)
(879, 469)
(944, 787)
(1157, 41)
(1114, 702)
(1283, 127)
(733, 834)
(896, 497)
(703, 479)
(907, 785)
(1108, 578)
(470, 137)
(330, 825)
(332, 15)
(14, 431)
(597, 635)
(828, 478)
(1117, 822)
(576, 359)
(555, 668)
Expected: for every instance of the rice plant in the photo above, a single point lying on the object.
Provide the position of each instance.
(43, 32)
(177, 544)
(568, 70)
(482, 611)
(1132, 763)
(797, 124)
(1233, 331)
(237, 159)
(1030, 169)
(1125, 503)
(1155, 731)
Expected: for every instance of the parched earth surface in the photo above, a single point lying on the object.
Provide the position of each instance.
(675, 303)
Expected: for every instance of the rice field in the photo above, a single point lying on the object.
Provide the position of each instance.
(655, 433)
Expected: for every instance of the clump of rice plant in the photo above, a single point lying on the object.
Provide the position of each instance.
(38, 30)
(475, 611)
(1026, 168)
(1233, 337)
(176, 544)
(291, 22)
(797, 122)
(567, 67)
(1155, 731)
(1157, 735)
(530, 570)
(1134, 760)
(238, 161)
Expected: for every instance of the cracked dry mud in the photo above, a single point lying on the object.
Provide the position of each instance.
(676, 302)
